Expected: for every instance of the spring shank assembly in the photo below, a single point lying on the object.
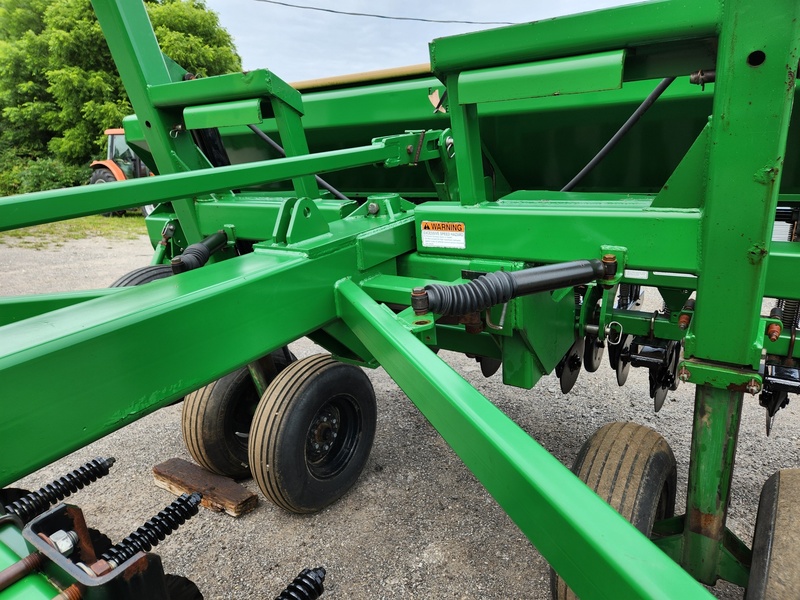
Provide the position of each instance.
(35, 503)
(155, 529)
(306, 586)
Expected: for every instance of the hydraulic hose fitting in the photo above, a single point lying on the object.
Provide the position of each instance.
(306, 586)
(154, 530)
(774, 329)
(610, 265)
(501, 286)
(419, 300)
(197, 255)
(686, 316)
(34, 504)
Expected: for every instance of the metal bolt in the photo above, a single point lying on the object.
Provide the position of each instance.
(324, 419)
(316, 446)
(326, 447)
(64, 541)
(373, 208)
(753, 387)
(409, 149)
(684, 375)
(773, 332)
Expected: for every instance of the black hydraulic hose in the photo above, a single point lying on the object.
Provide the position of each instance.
(279, 149)
(198, 254)
(500, 287)
(637, 114)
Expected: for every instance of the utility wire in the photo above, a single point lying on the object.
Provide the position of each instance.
(388, 17)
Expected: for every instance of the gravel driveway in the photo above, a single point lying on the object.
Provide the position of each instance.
(417, 524)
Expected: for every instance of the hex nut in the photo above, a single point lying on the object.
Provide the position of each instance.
(64, 541)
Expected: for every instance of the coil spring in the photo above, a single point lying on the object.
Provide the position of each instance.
(32, 505)
(155, 530)
(306, 586)
(790, 309)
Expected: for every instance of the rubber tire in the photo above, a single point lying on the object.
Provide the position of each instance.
(280, 437)
(774, 572)
(181, 588)
(631, 467)
(209, 414)
(143, 275)
(103, 175)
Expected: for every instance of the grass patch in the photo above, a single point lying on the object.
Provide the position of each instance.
(128, 227)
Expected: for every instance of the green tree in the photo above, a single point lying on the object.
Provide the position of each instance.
(59, 87)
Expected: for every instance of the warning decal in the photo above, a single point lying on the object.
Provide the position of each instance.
(441, 234)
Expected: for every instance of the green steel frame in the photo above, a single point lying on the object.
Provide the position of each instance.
(330, 269)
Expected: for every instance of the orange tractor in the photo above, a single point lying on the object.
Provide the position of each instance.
(121, 163)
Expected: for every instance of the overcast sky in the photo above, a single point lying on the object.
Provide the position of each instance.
(303, 44)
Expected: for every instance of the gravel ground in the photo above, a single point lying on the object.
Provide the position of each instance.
(417, 524)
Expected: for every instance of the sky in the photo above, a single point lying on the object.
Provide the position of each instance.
(302, 44)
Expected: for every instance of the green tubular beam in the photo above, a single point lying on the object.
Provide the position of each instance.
(596, 551)
(622, 27)
(648, 234)
(752, 82)
(17, 308)
(43, 207)
(133, 45)
(262, 301)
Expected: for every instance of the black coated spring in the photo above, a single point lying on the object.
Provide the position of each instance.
(306, 586)
(790, 309)
(155, 530)
(32, 505)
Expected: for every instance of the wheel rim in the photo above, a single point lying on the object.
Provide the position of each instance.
(240, 415)
(333, 436)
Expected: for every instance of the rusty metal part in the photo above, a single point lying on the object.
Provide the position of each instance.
(419, 300)
(472, 322)
(774, 332)
(73, 592)
(686, 316)
(21, 568)
(702, 77)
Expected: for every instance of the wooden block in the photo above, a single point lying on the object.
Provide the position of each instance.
(219, 493)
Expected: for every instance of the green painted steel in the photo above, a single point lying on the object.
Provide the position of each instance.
(685, 203)
(717, 415)
(576, 75)
(736, 242)
(12, 549)
(556, 511)
(224, 114)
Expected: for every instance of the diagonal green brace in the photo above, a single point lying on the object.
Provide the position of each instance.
(592, 547)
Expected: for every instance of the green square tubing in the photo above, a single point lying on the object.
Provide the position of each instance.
(592, 547)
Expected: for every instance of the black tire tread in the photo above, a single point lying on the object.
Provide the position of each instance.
(199, 402)
(615, 462)
(267, 420)
(143, 275)
(776, 542)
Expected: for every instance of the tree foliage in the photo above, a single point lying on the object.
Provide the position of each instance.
(59, 87)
